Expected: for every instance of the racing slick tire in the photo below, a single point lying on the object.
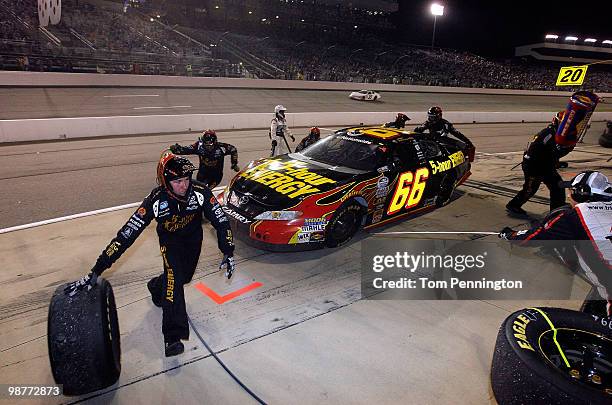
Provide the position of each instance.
(528, 368)
(83, 339)
(447, 188)
(343, 225)
(605, 140)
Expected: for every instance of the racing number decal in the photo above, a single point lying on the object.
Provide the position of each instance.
(380, 132)
(409, 190)
(571, 75)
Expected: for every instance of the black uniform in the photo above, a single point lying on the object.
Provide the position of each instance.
(210, 171)
(442, 127)
(306, 142)
(540, 163)
(179, 227)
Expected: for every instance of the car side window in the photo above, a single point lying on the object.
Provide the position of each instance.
(405, 153)
(430, 149)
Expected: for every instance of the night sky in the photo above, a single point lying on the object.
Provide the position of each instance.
(495, 27)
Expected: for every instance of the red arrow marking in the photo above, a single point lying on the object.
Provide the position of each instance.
(222, 299)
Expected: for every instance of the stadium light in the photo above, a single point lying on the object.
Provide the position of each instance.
(264, 19)
(436, 10)
(552, 36)
(151, 19)
(590, 40)
(606, 42)
(570, 38)
(217, 7)
(250, 12)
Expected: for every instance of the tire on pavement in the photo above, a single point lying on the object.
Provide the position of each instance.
(83, 339)
(528, 369)
(344, 224)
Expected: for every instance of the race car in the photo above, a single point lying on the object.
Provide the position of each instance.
(356, 177)
(365, 95)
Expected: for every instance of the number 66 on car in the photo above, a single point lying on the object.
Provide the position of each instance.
(357, 177)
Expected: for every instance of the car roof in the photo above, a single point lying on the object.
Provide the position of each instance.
(377, 134)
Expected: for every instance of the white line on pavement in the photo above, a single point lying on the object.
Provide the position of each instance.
(157, 108)
(215, 190)
(132, 95)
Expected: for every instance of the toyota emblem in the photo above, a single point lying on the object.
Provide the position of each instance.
(243, 200)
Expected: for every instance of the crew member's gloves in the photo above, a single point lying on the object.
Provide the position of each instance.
(175, 148)
(86, 283)
(506, 233)
(229, 264)
(274, 143)
(292, 138)
(235, 167)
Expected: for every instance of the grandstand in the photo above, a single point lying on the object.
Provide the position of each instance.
(265, 39)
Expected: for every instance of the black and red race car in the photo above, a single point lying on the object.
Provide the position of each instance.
(363, 176)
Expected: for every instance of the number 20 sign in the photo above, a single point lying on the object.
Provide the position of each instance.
(571, 75)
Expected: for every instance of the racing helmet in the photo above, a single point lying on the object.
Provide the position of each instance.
(401, 119)
(315, 133)
(209, 139)
(557, 119)
(172, 167)
(279, 111)
(434, 114)
(589, 186)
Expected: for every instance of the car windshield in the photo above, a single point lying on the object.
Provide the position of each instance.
(340, 150)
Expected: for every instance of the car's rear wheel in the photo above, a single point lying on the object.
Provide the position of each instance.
(343, 225)
(446, 190)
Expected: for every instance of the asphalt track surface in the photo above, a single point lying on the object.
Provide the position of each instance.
(48, 180)
(24, 103)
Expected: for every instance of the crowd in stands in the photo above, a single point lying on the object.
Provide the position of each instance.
(93, 38)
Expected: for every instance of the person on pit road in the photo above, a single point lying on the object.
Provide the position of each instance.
(399, 123)
(177, 205)
(589, 220)
(279, 132)
(438, 126)
(540, 163)
(313, 136)
(212, 154)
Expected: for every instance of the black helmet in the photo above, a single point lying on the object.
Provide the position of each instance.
(589, 186)
(434, 114)
(401, 119)
(209, 139)
(172, 167)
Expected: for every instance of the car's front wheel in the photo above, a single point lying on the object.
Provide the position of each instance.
(343, 225)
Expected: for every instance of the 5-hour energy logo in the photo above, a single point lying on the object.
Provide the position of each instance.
(286, 178)
(453, 160)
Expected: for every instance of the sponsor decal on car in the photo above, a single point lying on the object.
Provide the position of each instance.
(348, 138)
(453, 160)
(142, 211)
(314, 224)
(286, 178)
(238, 217)
(519, 326)
(377, 216)
(303, 237)
(382, 182)
(163, 205)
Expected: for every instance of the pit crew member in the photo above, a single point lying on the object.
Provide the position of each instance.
(212, 154)
(540, 163)
(177, 205)
(589, 220)
(279, 131)
(399, 123)
(313, 136)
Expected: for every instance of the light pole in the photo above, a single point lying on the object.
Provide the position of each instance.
(436, 10)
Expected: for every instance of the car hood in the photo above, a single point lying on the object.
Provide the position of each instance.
(284, 181)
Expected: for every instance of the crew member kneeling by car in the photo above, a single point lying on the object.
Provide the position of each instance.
(590, 219)
(177, 205)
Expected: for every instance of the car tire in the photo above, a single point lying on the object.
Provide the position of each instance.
(522, 372)
(83, 339)
(605, 140)
(343, 225)
(447, 188)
